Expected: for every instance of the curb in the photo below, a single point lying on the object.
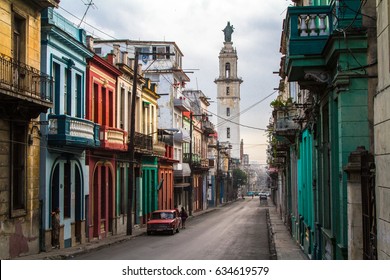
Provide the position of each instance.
(271, 237)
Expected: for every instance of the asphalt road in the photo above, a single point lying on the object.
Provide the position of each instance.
(237, 231)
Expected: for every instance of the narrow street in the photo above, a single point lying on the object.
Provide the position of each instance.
(237, 231)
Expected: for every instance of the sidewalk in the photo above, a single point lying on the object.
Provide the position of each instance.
(285, 247)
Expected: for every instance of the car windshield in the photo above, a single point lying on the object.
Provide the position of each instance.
(162, 215)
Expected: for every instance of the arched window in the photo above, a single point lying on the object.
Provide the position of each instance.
(227, 70)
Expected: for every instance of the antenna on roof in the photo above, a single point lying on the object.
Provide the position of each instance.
(89, 4)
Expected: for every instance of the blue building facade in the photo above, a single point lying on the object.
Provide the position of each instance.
(67, 135)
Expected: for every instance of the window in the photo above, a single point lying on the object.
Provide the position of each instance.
(227, 90)
(228, 132)
(96, 101)
(104, 107)
(98, 50)
(78, 96)
(18, 166)
(227, 70)
(228, 111)
(122, 108)
(19, 40)
(159, 52)
(167, 51)
(57, 87)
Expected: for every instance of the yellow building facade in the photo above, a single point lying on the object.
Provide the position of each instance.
(25, 92)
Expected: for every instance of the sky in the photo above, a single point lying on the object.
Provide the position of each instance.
(196, 27)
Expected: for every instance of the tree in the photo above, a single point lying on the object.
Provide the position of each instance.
(239, 178)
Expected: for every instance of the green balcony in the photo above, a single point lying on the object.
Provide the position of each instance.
(308, 29)
(313, 34)
(65, 130)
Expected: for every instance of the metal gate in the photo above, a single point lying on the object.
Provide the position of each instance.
(368, 206)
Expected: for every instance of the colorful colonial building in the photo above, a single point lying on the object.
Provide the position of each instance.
(25, 92)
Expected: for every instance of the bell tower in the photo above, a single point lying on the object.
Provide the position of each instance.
(228, 95)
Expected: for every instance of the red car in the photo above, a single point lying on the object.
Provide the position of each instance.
(163, 221)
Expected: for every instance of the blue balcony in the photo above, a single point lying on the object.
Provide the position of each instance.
(65, 130)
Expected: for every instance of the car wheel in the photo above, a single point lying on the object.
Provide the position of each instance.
(148, 232)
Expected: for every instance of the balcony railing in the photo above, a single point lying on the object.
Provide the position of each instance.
(284, 124)
(208, 127)
(308, 29)
(113, 138)
(25, 82)
(197, 161)
(65, 130)
(143, 143)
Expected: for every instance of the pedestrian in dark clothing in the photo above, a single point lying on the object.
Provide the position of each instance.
(184, 216)
(55, 228)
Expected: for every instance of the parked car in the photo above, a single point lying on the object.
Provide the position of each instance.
(163, 221)
(263, 195)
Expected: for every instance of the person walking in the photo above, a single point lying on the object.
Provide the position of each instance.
(55, 231)
(184, 216)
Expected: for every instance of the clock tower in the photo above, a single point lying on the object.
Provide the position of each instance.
(228, 95)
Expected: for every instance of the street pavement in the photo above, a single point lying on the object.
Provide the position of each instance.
(282, 246)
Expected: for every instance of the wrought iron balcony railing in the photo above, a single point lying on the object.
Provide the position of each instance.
(143, 142)
(22, 81)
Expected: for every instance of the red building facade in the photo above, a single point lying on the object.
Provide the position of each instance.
(100, 108)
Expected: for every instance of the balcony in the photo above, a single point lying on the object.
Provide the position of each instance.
(182, 104)
(113, 138)
(312, 35)
(65, 130)
(208, 127)
(198, 163)
(287, 128)
(159, 149)
(308, 29)
(143, 143)
(24, 87)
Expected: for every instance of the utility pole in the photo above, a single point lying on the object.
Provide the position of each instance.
(131, 148)
(190, 200)
(217, 179)
(129, 230)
